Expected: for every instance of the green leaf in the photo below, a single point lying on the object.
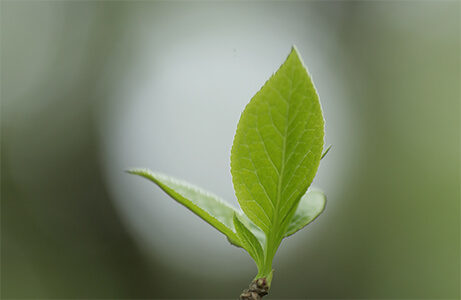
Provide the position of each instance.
(326, 152)
(258, 233)
(249, 242)
(309, 208)
(277, 149)
(207, 206)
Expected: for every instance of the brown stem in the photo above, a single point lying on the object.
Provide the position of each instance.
(258, 288)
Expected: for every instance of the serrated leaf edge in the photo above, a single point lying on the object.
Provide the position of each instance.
(232, 236)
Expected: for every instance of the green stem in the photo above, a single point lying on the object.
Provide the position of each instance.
(271, 248)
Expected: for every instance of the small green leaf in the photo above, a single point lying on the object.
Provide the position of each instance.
(326, 152)
(277, 149)
(269, 278)
(249, 242)
(258, 233)
(207, 206)
(309, 208)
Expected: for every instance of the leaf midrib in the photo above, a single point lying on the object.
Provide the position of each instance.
(271, 247)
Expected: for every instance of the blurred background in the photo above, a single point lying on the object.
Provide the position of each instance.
(91, 88)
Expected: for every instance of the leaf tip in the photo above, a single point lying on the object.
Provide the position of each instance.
(294, 49)
(269, 278)
(326, 152)
(136, 171)
(234, 218)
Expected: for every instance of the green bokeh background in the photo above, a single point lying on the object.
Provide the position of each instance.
(396, 235)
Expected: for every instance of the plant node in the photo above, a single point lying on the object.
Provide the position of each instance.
(258, 288)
